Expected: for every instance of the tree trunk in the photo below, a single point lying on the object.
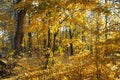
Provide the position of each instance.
(71, 45)
(30, 43)
(49, 38)
(44, 42)
(71, 49)
(19, 32)
(54, 40)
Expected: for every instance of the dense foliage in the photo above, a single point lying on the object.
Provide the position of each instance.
(60, 40)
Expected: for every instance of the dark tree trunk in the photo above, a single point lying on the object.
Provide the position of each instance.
(106, 22)
(44, 43)
(47, 53)
(49, 38)
(71, 49)
(53, 43)
(71, 45)
(19, 32)
(30, 43)
(54, 40)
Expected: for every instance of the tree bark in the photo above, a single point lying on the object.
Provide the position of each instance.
(48, 39)
(19, 32)
(54, 41)
(44, 42)
(71, 45)
(30, 43)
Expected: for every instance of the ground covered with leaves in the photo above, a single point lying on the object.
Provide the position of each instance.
(77, 67)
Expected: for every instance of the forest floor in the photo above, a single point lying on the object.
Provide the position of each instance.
(31, 68)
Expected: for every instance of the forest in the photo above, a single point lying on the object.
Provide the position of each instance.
(59, 39)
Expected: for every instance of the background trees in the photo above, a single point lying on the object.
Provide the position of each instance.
(70, 39)
(6, 26)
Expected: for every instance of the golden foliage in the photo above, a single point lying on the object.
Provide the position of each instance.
(86, 25)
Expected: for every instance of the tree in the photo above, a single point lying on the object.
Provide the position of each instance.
(6, 26)
(19, 30)
(68, 39)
